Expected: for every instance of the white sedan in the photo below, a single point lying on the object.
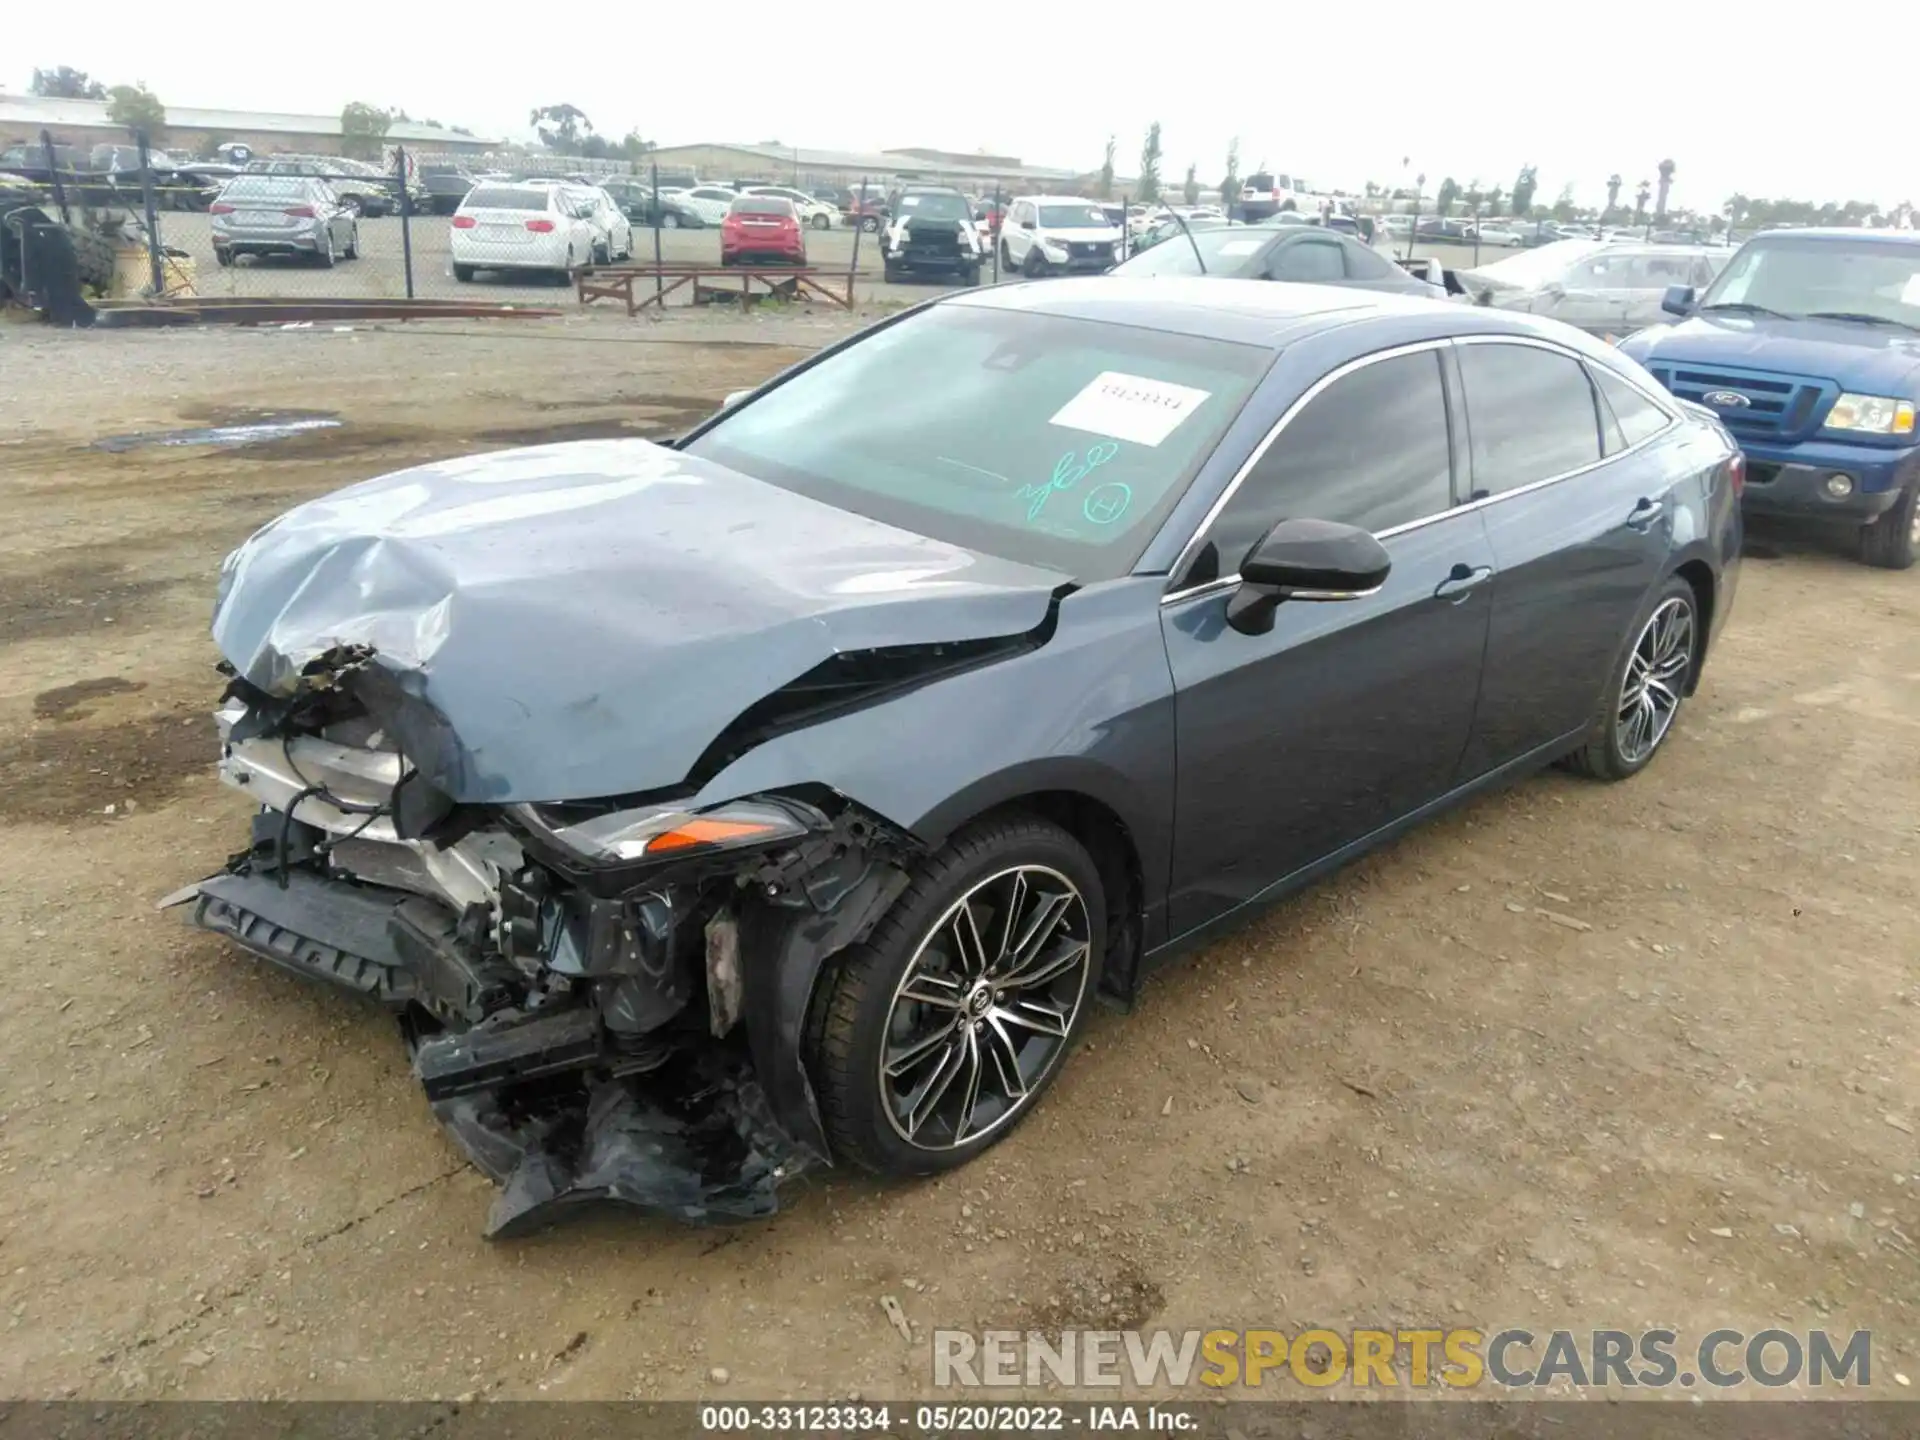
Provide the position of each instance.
(526, 226)
(814, 214)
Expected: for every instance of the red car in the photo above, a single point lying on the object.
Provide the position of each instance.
(761, 228)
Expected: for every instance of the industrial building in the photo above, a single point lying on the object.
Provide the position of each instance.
(84, 123)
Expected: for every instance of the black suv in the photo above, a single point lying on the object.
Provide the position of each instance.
(930, 231)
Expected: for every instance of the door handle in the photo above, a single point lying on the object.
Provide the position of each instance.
(1645, 513)
(1461, 581)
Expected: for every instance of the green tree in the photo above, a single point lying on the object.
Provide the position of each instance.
(363, 130)
(1493, 200)
(1640, 198)
(1563, 208)
(1614, 183)
(1104, 186)
(63, 82)
(1150, 165)
(1666, 184)
(633, 147)
(1449, 192)
(562, 128)
(1230, 182)
(1191, 189)
(1473, 195)
(1524, 185)
(137, 108)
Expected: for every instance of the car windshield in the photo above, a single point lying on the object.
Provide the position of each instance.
(1834, 277)
(1059, 442)
(762, 205)
(935, 207)
(1072, 217)
(1540, 267)
(1227, 250)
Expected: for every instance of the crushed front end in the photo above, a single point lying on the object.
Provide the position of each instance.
(603, 1001)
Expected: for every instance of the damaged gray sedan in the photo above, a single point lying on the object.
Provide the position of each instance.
(787, 793)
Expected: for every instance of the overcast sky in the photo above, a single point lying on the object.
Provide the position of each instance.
(1796, 105)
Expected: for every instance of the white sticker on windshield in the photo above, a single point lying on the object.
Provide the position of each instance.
(1241, 247)
(1910, 292)
(1129, 407)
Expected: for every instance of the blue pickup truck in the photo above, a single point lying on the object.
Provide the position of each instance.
(1807, 346)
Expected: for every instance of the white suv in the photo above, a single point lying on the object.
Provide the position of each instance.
(1047, 234)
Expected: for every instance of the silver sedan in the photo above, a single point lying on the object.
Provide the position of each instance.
(282, 215)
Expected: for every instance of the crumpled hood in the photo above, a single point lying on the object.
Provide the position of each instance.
(1866, 359)
(582, 619)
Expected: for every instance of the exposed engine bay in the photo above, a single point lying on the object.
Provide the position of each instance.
(602, 1001)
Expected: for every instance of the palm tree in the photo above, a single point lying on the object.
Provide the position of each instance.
(1640, 198)
(1613, 193)
(1666, 184)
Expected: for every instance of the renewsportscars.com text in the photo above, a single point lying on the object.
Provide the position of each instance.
(1512, 1358)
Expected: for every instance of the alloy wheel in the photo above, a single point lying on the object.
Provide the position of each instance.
(982, 1014)
(1656, 678)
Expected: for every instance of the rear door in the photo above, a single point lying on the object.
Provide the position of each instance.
(1578, 539)
(1348, 714)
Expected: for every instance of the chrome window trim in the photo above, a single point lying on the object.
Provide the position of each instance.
(1224, 583)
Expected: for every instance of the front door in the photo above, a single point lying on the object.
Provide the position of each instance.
(1348, 714)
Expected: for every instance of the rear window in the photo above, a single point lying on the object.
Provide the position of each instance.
(503, 197)
(1260, 180)
(762, 205)
(263, 187)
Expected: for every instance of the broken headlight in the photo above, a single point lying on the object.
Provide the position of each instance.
(667, 832)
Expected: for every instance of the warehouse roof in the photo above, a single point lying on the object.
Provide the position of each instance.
(884, 161)
(39, 111)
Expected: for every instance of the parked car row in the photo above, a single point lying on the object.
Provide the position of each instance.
(545, 227)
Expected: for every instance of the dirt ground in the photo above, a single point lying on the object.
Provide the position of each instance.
(1693, 1105)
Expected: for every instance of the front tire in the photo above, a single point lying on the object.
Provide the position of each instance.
(870, 224)
(936, 1037)
(1893, 541)
(822, 222)
(1649, 689)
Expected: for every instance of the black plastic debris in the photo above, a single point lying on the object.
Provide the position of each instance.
(693, 1140)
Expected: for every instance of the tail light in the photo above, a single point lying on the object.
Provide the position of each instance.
(299, 212)
(540, 227)
(1737, 472)
(218, 209)
(463, 222)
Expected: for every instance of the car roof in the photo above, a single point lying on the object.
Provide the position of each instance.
(1262, 312)
(1841, 232)
(1059, 200)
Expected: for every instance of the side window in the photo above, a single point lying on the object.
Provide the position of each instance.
(1634, 414)
(1364, 263)
(1530, 415)
(1702, 274)
(1308, 259)
(1369, 450)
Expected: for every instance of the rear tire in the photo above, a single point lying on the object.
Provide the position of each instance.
(669, 221)
(822, 222)
(860, 1012)
(870, 224)
(463, 273)
(323, 256)
(1893, 541)
(223, 258)
(1658, 664)
(353, 244)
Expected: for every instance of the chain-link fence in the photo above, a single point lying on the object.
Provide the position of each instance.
(429, 227)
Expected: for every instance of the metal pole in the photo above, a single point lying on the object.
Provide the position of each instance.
(153, 220)
(406, 215)
(53, 178)
(1126, 208)
(659, 281)
(1413, 226)
(993, 239)
(859, 229)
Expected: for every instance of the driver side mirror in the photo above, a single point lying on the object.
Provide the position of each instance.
(1678, 300)
(1305, 560)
